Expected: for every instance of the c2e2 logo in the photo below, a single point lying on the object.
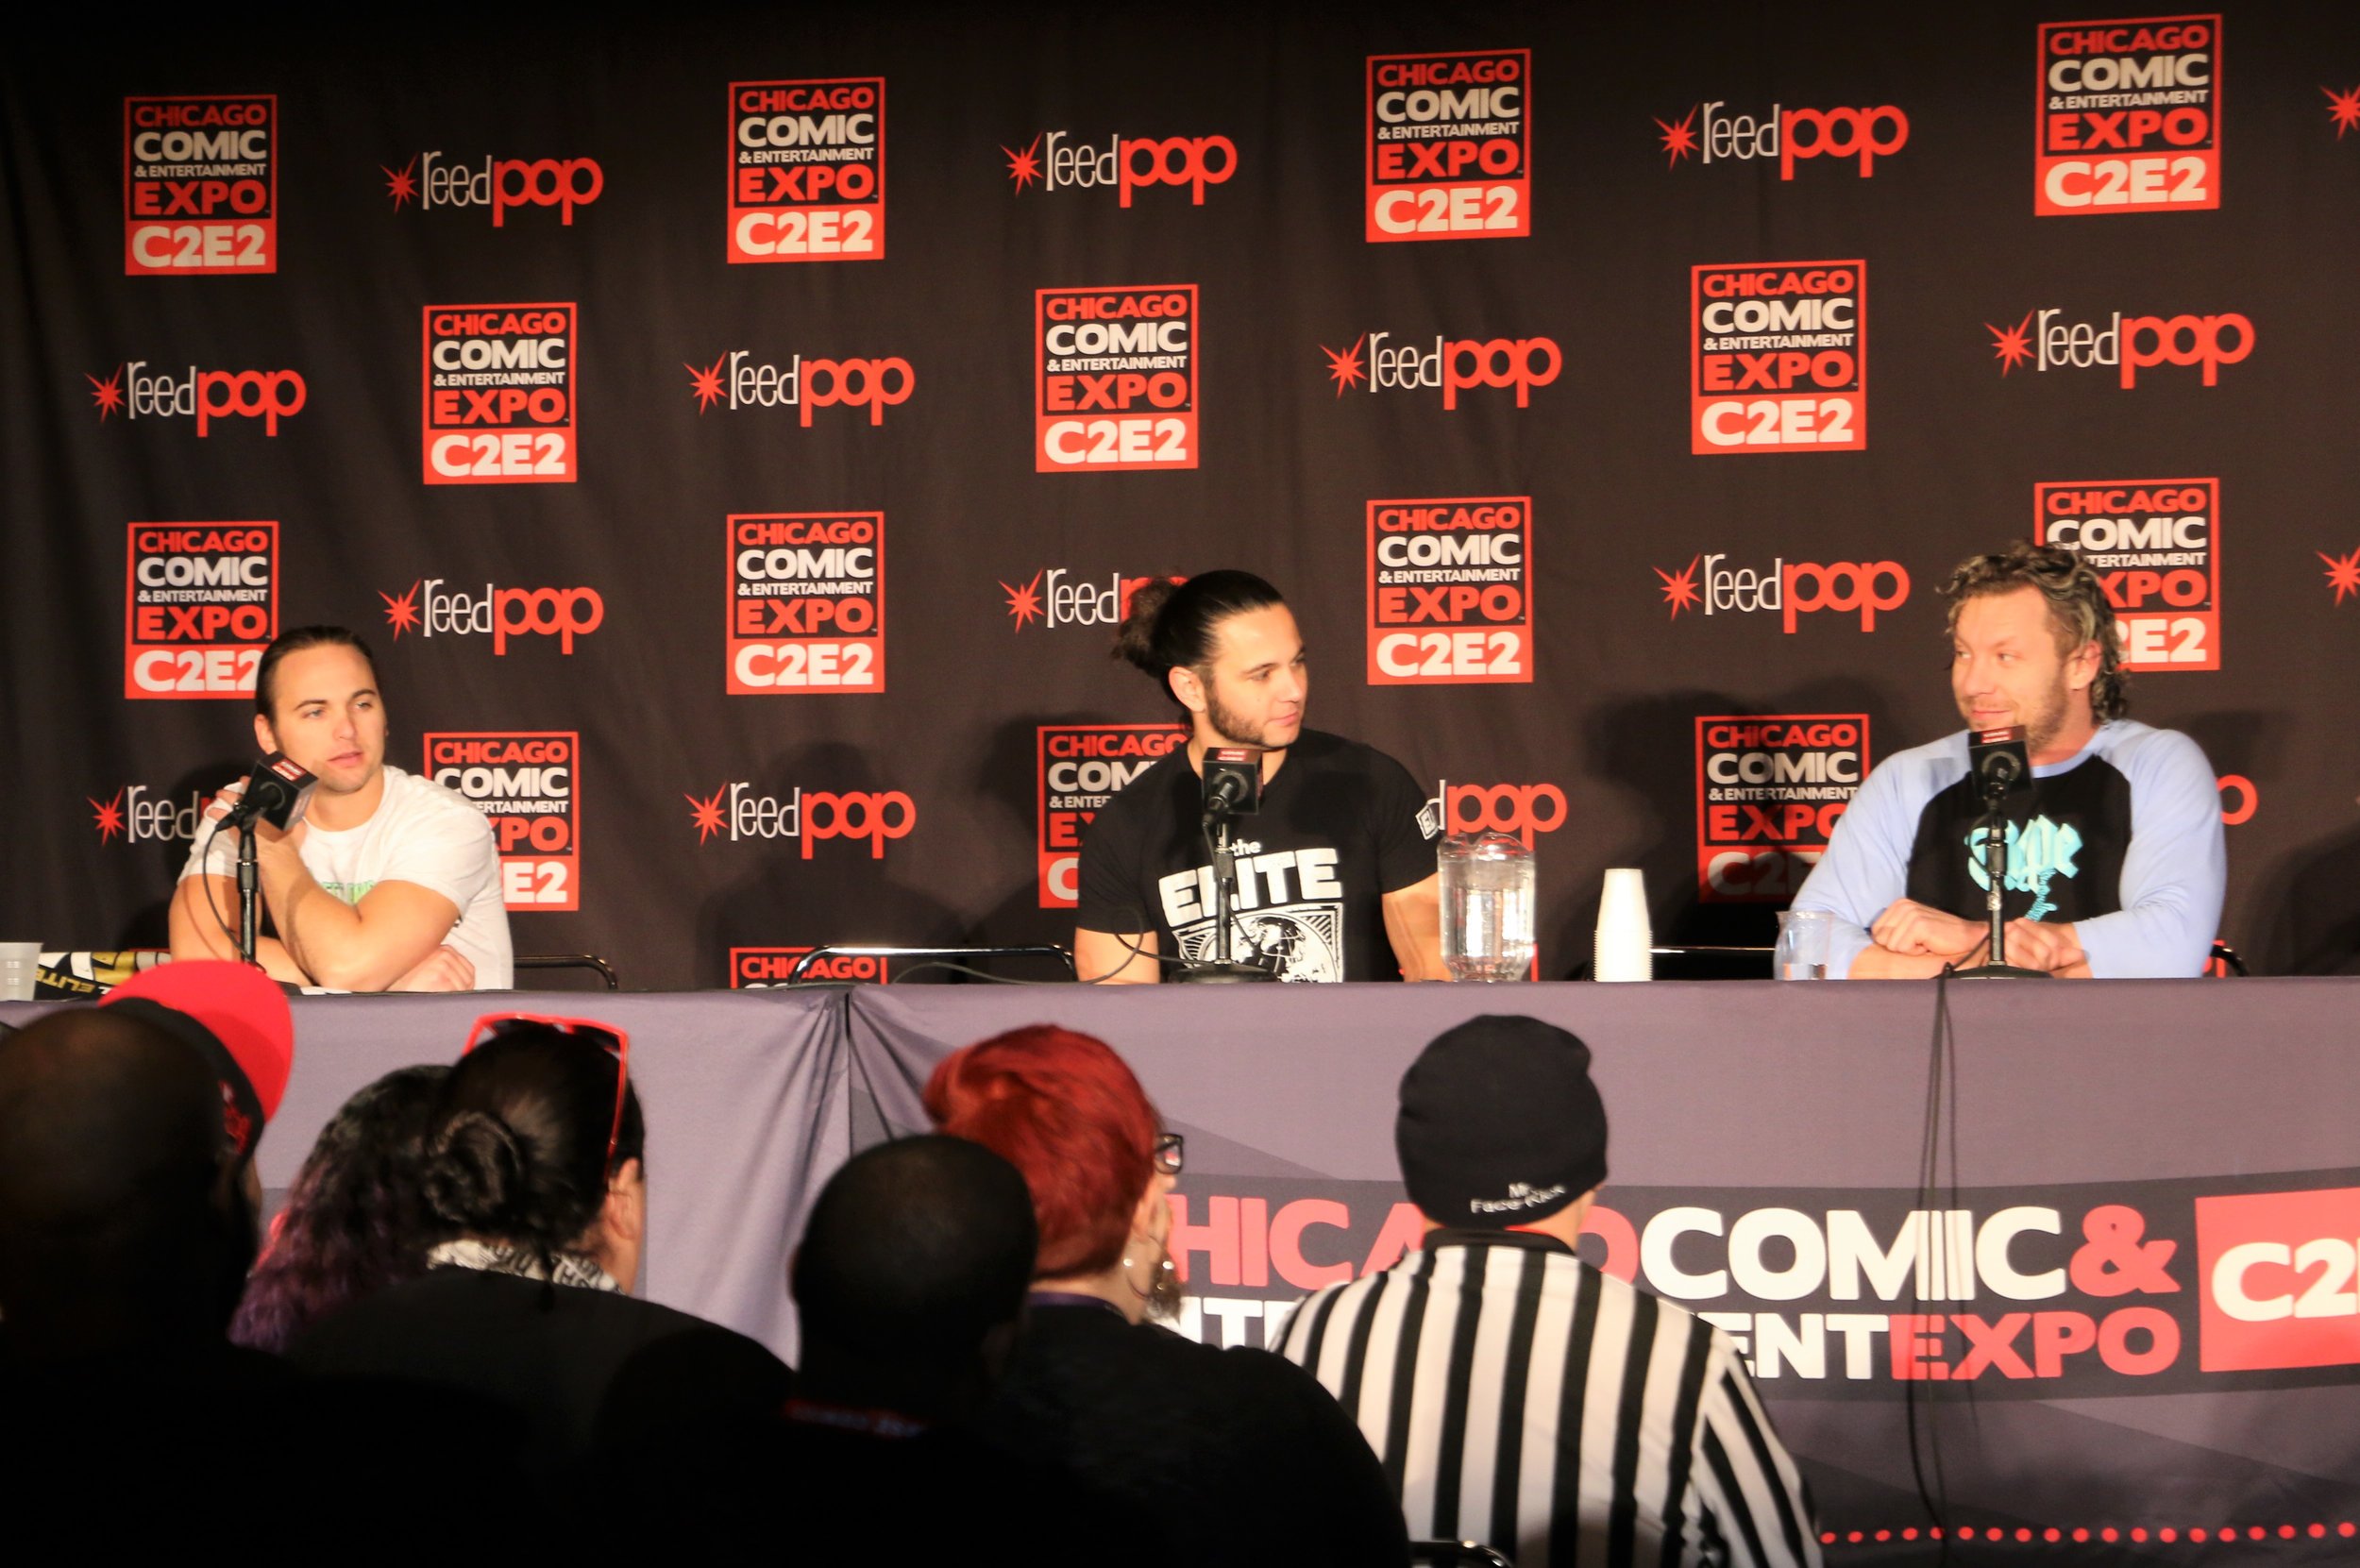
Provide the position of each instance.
(2276, 1272)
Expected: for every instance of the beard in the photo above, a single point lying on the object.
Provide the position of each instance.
(2042, 723)
(2043, 720)
(1230, 727)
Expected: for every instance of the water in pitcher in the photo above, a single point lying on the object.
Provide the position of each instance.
(1488, 908)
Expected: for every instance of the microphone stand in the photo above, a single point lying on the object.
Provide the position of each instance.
(1221, 971)
(1995, 879)
(249, 885)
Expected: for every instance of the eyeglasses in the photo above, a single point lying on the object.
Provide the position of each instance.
(1168, 1149)
(614, 1041)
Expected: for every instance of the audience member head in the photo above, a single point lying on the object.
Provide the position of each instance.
(537, 1142)
(1500, 1128)
(124, 1227)
(236, 1019)
(356, 1219)
(1066, 1113)
(911, 1277)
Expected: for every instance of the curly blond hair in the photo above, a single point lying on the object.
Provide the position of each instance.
(2078, 608)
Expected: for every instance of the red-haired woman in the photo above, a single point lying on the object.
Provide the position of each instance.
(1241, 1456)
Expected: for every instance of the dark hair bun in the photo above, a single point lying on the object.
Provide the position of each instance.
(1135, 640)
(475, 1173)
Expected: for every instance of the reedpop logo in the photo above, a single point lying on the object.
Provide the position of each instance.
(1867, 134)
(1124, 164)
(2131, 343)
(1054, 598)
(1451, 364)
(1791, 588)
(734, 812)
(504, 612)
(137, 815)
(502, 184)
(269, 396)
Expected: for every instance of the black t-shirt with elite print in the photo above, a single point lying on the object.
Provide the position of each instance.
(1341, 826)
(2066, 836)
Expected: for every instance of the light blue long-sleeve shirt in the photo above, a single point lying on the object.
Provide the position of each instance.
(2174, 869)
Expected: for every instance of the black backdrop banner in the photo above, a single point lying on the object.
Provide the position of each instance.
(1609, 390)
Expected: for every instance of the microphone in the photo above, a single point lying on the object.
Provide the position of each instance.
(277, 790)
(1999, 760)
(1233, 781)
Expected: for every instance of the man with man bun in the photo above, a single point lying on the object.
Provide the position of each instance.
(1335, 875)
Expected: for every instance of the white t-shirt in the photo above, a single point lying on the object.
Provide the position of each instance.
(420, 834)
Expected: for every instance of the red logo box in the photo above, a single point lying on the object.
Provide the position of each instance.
(528, 784)
(2275, 1279)
(806, 603)
(200, 185)
(1769, 789)
(2097, 154)
(1078, 768)
(200, 602)
(758, 969)
(806, 170)
(1114, 378)
(2155, 543)
(1450, 591)
(1778, 359)
(497, 394)
(1449, 146)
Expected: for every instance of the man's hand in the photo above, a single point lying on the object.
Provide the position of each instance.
(444, 969)
(265, 836)
(1909, 927)
(2035, 945)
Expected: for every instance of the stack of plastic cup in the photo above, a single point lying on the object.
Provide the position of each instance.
(19, 963)
(1624, 942)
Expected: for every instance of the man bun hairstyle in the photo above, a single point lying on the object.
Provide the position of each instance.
(266, 673)
(2078, 608)
(1171, 624)
(516, 1148)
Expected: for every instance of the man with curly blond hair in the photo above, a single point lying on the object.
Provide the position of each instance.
(2116, 863)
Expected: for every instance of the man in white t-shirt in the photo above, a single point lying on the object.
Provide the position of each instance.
(389, 884)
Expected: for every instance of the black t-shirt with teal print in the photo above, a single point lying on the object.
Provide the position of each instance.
(1339, 828)
(2066, 838)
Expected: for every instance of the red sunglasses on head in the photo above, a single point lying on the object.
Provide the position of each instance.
(614, 1041)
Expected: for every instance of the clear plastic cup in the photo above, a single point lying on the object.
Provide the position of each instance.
(1802, 952)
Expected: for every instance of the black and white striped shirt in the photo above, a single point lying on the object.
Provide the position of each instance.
(1518, 1397)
